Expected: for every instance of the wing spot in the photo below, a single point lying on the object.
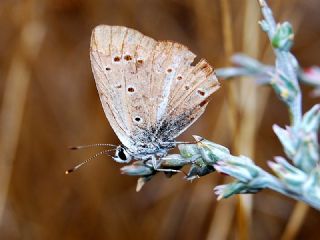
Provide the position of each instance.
(200, 92)
(204, 66)
(130, 89)
(203, 103)
(127, 57)
(186, 87)
(108, 69)
(169, 70)
(140, 61)
(137, 119)
(118, 86)
(116, 59)
(179, 78)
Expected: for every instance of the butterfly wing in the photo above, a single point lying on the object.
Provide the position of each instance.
(148, 89)
(117, 54)
(185, 89)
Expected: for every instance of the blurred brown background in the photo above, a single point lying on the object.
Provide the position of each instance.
(49, 101)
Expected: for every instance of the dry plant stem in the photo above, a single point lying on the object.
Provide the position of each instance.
(15, 95)
(11, 117)
(221, 223)
(228, 49)
(245, 139)
(224, 211)
(295, 222)
(204, 23)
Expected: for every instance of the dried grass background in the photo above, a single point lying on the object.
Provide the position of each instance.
(49, 101)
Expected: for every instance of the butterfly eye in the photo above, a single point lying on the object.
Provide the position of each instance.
(186, 87)
(122, 155)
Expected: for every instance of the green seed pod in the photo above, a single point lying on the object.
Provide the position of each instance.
(283, 37)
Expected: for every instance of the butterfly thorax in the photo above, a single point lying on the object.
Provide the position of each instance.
(143, 151)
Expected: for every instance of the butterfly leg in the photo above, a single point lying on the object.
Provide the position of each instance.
(156, 166)
(198, 139)
(181, 142)
(154, 162)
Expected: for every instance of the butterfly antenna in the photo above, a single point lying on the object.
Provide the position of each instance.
(88, 160)
(92, 145)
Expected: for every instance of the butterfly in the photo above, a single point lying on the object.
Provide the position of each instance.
(150, 90)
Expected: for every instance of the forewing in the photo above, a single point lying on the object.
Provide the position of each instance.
(117, 56)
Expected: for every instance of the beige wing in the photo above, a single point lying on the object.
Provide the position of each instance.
(117, 54)
(148, 89)
(185, 89)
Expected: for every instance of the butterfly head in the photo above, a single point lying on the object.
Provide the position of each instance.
(122, 155)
